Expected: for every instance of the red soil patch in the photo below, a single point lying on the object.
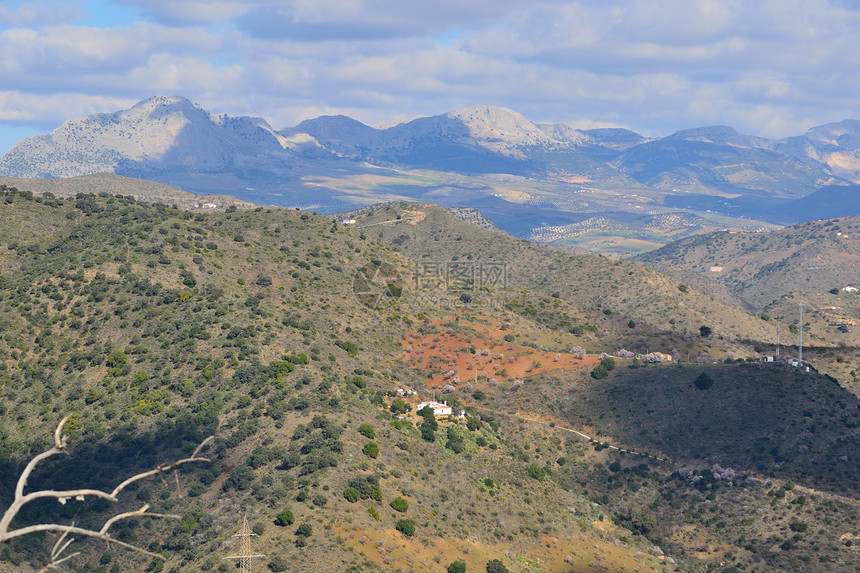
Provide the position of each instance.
(451, 355)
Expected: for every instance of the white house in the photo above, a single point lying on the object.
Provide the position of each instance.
(438, 409)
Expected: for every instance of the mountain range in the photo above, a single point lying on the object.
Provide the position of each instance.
(486, 157)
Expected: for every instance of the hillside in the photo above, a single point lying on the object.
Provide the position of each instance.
(286, 336)
(761, 268)
(608, 293)
(140, 189)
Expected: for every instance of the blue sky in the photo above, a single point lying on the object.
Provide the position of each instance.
(770, 68)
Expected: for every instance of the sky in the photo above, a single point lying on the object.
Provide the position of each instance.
(771, 68)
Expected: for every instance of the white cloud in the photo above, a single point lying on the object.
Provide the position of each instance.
(30, 13)
(655, 66)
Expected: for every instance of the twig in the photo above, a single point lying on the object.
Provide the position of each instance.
(60, 446)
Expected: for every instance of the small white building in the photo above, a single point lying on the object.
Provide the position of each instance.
(849, 288)
(438, 409)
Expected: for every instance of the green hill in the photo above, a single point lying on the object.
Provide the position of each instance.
(286, 335)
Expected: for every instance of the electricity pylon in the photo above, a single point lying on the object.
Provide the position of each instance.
(245, 555)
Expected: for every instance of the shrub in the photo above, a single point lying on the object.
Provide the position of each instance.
(371, 450)
(351, 494)
(406, 527)
(705, 331)
(600, 372)
(305, 530)
(427, 433)
(496, 566)
(536, 472)
(457, 567)
(703, 381)
(367, 431)
(399, 504)
(367, 487)
(285, 518)
(399, 406)
(278, 564)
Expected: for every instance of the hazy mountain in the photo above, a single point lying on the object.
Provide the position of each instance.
(531, 172)
(158, 134)
(836, 145)
(698, 163)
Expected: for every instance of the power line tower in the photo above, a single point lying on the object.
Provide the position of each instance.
(245, 555)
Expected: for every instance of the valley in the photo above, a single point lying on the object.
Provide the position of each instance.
(605, 416)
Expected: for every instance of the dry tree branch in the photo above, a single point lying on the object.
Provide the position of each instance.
(60, 447)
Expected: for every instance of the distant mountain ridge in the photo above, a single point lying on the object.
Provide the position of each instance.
(171, 140)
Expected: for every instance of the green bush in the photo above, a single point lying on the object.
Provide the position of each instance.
(457, 566)
(536, 472)
(367, 431)
(703, 381)
(305, 530)
(600, 372)
(406, 527)
(399, 504)
(351, 494)
(399, 406)
(278, 564)
(285, 518)
(371, 450)
(496, 566)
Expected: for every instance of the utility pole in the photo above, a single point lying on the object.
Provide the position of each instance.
(800, 337)
(245, 555)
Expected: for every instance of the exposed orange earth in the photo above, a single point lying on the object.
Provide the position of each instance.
(452, 355)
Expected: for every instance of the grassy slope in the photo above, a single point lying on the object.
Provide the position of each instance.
(592, 284)
(155, 328)
(762, 267)
(78, 286)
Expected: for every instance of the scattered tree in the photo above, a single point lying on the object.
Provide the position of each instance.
(371, 450)
(399, 504)
(406, 527)
(285, 518)
(703, 381)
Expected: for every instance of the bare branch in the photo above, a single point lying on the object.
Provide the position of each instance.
(60, 446)
(140, 512)
(156, 471)
(78, 530)
(203, 444)
(55, 563)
